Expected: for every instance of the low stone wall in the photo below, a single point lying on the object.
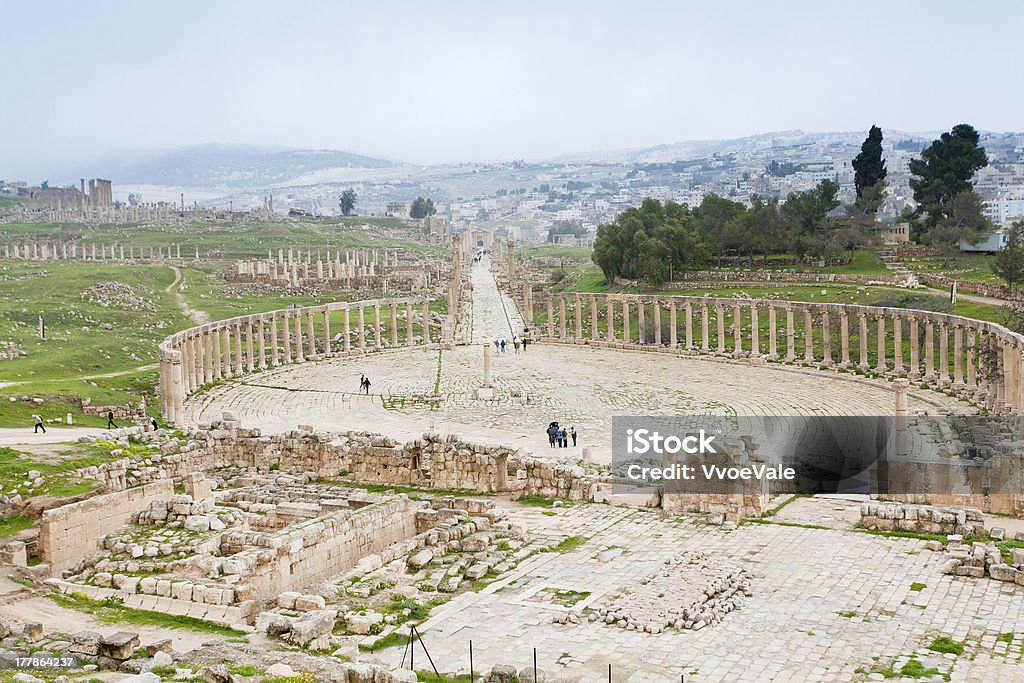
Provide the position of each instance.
(932, 519)
(984, 288)
(69, 532)
(306, 554)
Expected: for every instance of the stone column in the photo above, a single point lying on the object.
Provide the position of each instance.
(610, 318)
(705, 338)
(394, 324)
(657, 322)
(310, 338)
(880, 365)
(562, 319)
(487, 365)
(915, 350)
(958, 353)
(773, 334)
(327, 333)
(929, 350)
(551, 317)
(218, 350)
(579, 319)
(826, 339)
(863, 363)
(361, 332)
(275, 355)
(897, 342)
(755, 332)
(790, 335)
(299, 357)
(688, 321)
(737, 331)
(972, 383)
(673, 333)
(208, 343)
(238, 348)
(720, 325)
(626, 336)
(943, 354)
(177, 389)
(262, 344)
(250, 360)
(901, 389)
(641, 321)
(808, 337)
(408, 324)
(594, 332)
(286, 338)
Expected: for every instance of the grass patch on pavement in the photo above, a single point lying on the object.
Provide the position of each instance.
(110, 611)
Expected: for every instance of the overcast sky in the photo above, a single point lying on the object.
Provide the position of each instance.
(431, 82)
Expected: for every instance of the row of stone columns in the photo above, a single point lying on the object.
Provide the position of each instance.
(60, 251)
(356, 257)
(250, 344)
(985, 361)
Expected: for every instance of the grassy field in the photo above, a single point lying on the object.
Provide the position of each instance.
(103, 347)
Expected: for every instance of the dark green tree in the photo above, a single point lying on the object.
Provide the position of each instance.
(810, 226)
(963, 220)
(347, 202)
(944, 171)
(421, 208)
(1009, 264)
(869, 166)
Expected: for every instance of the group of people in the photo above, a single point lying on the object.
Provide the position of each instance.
(364, 384)
(38, 420)
(501, 345)
(558, 436)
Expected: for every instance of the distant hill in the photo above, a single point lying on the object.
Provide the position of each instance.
(231, 166)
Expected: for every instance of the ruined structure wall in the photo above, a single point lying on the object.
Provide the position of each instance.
(71, 531)
(317, 551)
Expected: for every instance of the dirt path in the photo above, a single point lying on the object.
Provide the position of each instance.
(14, 436)
(199, 317)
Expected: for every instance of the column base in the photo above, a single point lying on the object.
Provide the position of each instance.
(826, 364)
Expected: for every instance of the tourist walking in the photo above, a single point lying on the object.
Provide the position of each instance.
(39, 424)
(561, 437)
(365, 385)
(552, 433)
(515, 344)
(573, 434)
(110, 420)
(526, 340)
(152, 421)
(503, 346)
(497, 345)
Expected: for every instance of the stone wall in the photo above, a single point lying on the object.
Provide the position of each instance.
(931, 519)
(306, 554)
(69, 532)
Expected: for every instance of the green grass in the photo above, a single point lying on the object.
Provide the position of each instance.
(15, 465)
(431, 677)
(1005, 638)
(12, 524)
(112, 612)
(775, 510)
(536, 501)
(915, 669)
(847, 615)
(382, 488)
(393, 639)
(945, 645)
(567, 545)
(917, 587)
(246, 670)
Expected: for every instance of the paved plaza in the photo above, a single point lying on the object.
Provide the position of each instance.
(826, 603)
(579, 386)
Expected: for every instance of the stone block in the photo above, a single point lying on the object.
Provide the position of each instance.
(1002, 572)
(120, 645)
(309, 603)
(286, 600)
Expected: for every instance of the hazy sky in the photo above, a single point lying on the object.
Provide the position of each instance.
(431, 82)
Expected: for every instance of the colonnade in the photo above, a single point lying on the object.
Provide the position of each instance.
(63, 251)
(252, 343)
(978, 360)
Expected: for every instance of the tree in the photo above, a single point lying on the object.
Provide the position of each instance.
(347, 202)
(869, 166)
(1009, 264)
(811, 227)
(421, 208)
(963, 222)
(944, 171)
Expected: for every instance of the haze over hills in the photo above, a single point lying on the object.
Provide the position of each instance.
(232, 166)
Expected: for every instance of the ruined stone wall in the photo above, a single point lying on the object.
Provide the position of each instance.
(69, 532)
(932, 519)
(306, 554)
